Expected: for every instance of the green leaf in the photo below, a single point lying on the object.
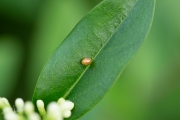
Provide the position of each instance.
(110, 34)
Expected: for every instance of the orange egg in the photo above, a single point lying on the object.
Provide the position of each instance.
(86, 61)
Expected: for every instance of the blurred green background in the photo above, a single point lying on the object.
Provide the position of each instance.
(149, 87)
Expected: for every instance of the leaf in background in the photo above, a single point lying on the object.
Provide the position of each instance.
(10, 63)
(22, 11)
(110, 34)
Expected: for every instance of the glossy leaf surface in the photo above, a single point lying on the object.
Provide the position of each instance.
(110, 34)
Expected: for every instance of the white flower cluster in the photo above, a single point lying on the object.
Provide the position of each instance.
(25, 111)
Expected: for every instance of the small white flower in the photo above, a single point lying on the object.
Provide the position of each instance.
(67, 105)
(11, 116)
(66, 113)
(5, 101)
(2, 105)
(25, 111)
(28, 108)
(7, 110)
(19, 105)
(34, 116)
(54, 112)
(40, 106)
(61, 101)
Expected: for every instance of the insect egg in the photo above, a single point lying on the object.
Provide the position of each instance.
(86, 61)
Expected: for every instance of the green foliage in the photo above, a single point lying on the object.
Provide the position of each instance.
(9, 63)
(110, 34)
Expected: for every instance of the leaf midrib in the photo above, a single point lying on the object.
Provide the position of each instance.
(71, 88)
